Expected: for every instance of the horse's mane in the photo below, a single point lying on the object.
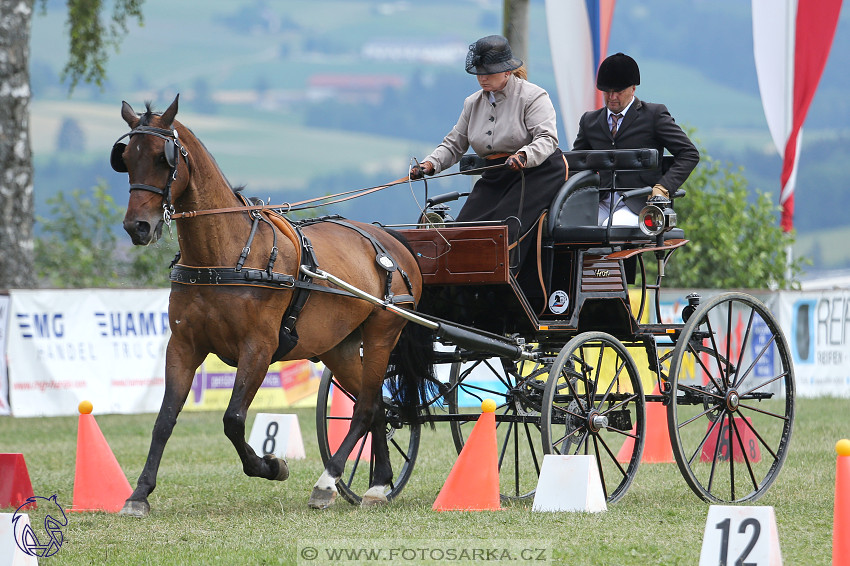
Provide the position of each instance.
(145, 120)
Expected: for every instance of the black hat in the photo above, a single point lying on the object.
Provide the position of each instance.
(617, 72)
(490, 55)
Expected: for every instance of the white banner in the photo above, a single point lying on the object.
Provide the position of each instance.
(104, 345)
(817, 326)
(4, 378)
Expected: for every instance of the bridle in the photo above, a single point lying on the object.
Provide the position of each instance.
(173, 150)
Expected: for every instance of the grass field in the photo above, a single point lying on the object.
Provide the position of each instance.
(205, 511)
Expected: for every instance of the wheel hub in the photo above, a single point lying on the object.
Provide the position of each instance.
(596, 421)
(733, 400)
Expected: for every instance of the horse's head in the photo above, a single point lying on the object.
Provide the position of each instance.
(158, 167)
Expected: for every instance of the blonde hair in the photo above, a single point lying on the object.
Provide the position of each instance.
(521, 73)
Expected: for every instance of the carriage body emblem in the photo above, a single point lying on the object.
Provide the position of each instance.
(559, 301)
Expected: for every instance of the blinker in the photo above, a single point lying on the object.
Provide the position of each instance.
(116, 158)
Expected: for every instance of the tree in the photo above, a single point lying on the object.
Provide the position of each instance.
(735, 241)
(91, 41)
(80, 248)
(71, 138)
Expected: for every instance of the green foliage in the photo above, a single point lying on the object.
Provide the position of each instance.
(79, 246)
(92, 40)
(735, 241)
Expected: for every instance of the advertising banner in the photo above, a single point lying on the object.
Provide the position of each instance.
(4, 378)
(286, 384)
(107, 346)
(817, 326)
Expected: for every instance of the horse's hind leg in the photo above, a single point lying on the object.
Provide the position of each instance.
(382, 474)
(249, 377)
(379, 335)
(179, 373)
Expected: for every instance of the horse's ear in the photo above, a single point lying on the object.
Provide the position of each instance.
(129, 114)
(168, 115)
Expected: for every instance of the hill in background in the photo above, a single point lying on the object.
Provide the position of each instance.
(297, 99)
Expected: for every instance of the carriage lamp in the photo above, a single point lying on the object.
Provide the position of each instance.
(657, 216)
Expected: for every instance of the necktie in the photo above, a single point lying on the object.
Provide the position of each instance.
(615, 118)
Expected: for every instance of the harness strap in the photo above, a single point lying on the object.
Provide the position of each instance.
(188, 275)
(383, 258)
(302, 292)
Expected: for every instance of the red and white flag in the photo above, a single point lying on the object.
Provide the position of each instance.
(578, 41)
(791, 43)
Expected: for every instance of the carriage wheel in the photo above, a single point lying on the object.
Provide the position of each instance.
(517, 388)
(594, 405)
(733, 384)
(402, 441)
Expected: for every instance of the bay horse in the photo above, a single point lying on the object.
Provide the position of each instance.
(173, 177)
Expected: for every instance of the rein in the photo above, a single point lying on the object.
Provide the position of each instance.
(285, 208)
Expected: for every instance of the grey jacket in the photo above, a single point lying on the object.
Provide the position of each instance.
(522, 119)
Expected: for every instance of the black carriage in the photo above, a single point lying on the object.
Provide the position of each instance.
(572, 362)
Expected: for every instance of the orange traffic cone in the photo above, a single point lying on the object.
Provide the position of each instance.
(473, 483)
(656, 446)
(342, 407)
(15, 485)
(841, 520)
(99, 482)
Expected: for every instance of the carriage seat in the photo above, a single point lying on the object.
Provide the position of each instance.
(573, 213)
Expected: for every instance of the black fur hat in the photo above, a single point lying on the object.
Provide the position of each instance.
(617, 72)
(490, 55)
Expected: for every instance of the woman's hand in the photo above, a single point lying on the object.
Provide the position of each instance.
(515, 162)
(420, 170)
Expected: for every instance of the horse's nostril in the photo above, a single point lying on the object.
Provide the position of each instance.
(143, 228)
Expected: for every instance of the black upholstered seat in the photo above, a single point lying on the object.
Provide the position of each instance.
(574, 211)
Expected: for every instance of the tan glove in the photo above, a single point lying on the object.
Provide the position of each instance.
(659, 190)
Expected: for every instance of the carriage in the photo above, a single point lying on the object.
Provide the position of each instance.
(573, 363)
(573, 360)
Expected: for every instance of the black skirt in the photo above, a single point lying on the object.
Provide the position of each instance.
(499, 195)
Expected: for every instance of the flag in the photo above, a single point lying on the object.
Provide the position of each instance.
(791, 43)
(578, 39)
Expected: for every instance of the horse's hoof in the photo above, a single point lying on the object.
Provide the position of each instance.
(374, 496)
(322, 498)
(135, 509)
(282, 467)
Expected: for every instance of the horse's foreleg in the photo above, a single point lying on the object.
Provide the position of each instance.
(178, 382)
(249, 377)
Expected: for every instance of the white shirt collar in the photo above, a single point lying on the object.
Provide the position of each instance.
(622, 112)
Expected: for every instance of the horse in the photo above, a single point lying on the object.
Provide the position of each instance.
(239, 313)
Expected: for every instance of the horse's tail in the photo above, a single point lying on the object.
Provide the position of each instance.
(411, 378)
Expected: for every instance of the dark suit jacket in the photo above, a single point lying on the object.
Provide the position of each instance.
(645, 125)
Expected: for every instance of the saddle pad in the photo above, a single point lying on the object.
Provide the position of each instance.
(286, 228)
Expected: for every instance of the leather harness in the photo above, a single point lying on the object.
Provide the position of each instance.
(301, 285)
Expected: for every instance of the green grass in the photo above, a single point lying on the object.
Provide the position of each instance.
(205, 511)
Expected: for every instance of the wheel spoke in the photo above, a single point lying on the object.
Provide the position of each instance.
(707, 371)
(755, 361)
(783, 375)
(599, 468)
(745, 455)
(744, 342)
(705, 438)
